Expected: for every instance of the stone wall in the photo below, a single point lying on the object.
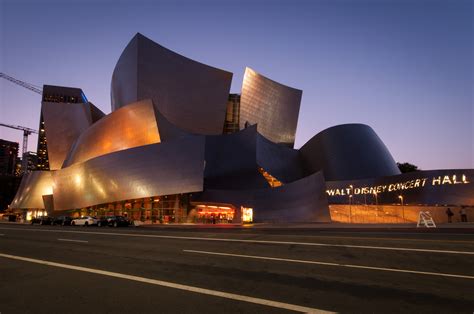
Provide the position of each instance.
(394, 213)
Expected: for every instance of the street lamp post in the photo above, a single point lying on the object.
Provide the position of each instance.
(403, 207)
(350, 208)
(376, 204)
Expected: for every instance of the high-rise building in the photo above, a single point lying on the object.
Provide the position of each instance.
(42, 149)
(54, 94)
(8, 180)
(18, 172)
(31, 164)
(31, 161)
(8, 157)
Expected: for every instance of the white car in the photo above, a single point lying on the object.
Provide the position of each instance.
(84, 221)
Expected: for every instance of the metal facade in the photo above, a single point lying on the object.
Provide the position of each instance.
(32, 188)
(300, 201)
(274, 107)
(347, 152)
(124, 85)
(145, 171)
(63, 123)
(96, 113)
(231, 161)
(168, 131)
(281, 162)
(131, 126)
(191, 95)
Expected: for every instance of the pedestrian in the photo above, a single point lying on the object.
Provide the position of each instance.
(450, 214)
(463, 214)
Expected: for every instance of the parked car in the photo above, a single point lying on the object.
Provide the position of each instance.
(113, 221)
(84, 221)
(62, 220)
(41, 220)
(9, 217)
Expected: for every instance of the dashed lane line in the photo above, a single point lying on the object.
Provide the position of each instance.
(395, 239)
(403, 249)
(332, 264)
(215, 293)
(72, 240)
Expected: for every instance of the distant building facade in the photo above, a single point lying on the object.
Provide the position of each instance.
(32, 161)
(9, 179)
(8, 157)
(178, 148)
(232, 115)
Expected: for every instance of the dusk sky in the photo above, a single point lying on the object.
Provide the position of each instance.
(403, 67)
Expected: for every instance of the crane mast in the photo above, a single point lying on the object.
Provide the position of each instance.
(26, 132)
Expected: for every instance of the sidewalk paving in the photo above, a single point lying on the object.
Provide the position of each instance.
(408, 227)
(411, 227)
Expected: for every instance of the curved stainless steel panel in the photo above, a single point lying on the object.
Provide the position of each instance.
(231, 161)
(63, 123)
(168, 131)
(33, 186)
(124, 85)
(158, 169)
(131, 126)
(300, 201)
(348, 152)
(191, 95)
(281, 162)
(272, 106)
(96, 113)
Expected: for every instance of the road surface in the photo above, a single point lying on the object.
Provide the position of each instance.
(54, 269)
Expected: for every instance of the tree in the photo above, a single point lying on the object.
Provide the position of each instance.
(407, 167)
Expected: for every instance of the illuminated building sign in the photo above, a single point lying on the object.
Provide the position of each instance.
(400, 186)
(247, 214)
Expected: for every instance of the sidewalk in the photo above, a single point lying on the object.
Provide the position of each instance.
(13, 222)
(334, 227)
(410, 227)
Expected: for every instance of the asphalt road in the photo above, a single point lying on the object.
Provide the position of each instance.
(45, 269)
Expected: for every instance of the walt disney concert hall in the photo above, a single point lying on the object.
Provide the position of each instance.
(178, 148)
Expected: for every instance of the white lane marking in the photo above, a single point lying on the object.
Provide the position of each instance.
(316, 236)
(251, 241)
(232, 296)
(392, 233)
(333, 264)
(72, 240)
